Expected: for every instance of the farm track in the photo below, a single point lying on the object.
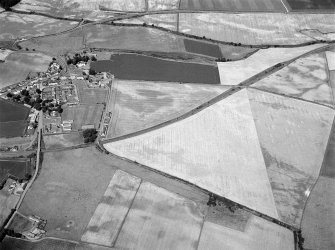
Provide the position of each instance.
(218, 98)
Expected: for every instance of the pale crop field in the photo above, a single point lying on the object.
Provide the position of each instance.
(330, 60)
(255, 28)
(216, 149)
(163, 4)
(306, 78)
(159, 219)
(293, 135)
(137, 105)
(233, 73)
(258, 235)
(132, 38)
(108, 217)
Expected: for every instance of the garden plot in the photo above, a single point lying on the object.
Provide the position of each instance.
(13, 25)
(68, 190)
(258, 235)
(216, 149)
(107, 219)
(132, 38)
(233, 73)
(83, 114)
(255, 28)
(233, 5)
(330, 60)
(18, 65)
(306, 78)
(162, 5)
(137, 105)
(159, 219)
(319, 216)
(63, 140)
(293, 136)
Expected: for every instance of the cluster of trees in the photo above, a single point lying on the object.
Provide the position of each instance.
(35, 101)
(90, 135)
(78, 58)
(7, 4)
(222, 59)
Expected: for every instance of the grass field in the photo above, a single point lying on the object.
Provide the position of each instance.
(56, 45)
(293, 135)
(63, 140)
(7, 203)
(318, 220)
(233, 73)
(20, 223)
(140, 67)
(66, 201)
(306, 5)
(137, 105)
(13, 25)
(231, 5)
(259, 235)
(216, 149)
(159, 219)
(306, 78)
(83, 114)
(328, 165)
(16, 167)
(17, 66)
(163, 4)
(108, 217)
(90, 95)
(255, 28)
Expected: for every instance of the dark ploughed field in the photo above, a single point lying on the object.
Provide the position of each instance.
(301, 5)
(139, 67)
(206, 49)
(13, 118)
(17, 168)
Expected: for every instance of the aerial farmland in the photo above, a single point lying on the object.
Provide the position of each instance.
(167, 124)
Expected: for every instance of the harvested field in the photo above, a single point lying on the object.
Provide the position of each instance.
(319, 216)
(168, 21)
(56, 45)
(89, 95)
(13, 25)
(259, 235)
(163, 4)
(293, 136)
(159, 219)
(233, 73)
(108, 217)
(132, 38)
(330, 60)
(306, 78)
(139, 67)
(231, 5)
(216, 149)
(12, 119)
(14, 167)
(137, 105)
(63, 140)
(59, 196)
(83, 114)
(305, 5)
(202, 48)
(255, 28)
(18, 65)
(49, 244)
